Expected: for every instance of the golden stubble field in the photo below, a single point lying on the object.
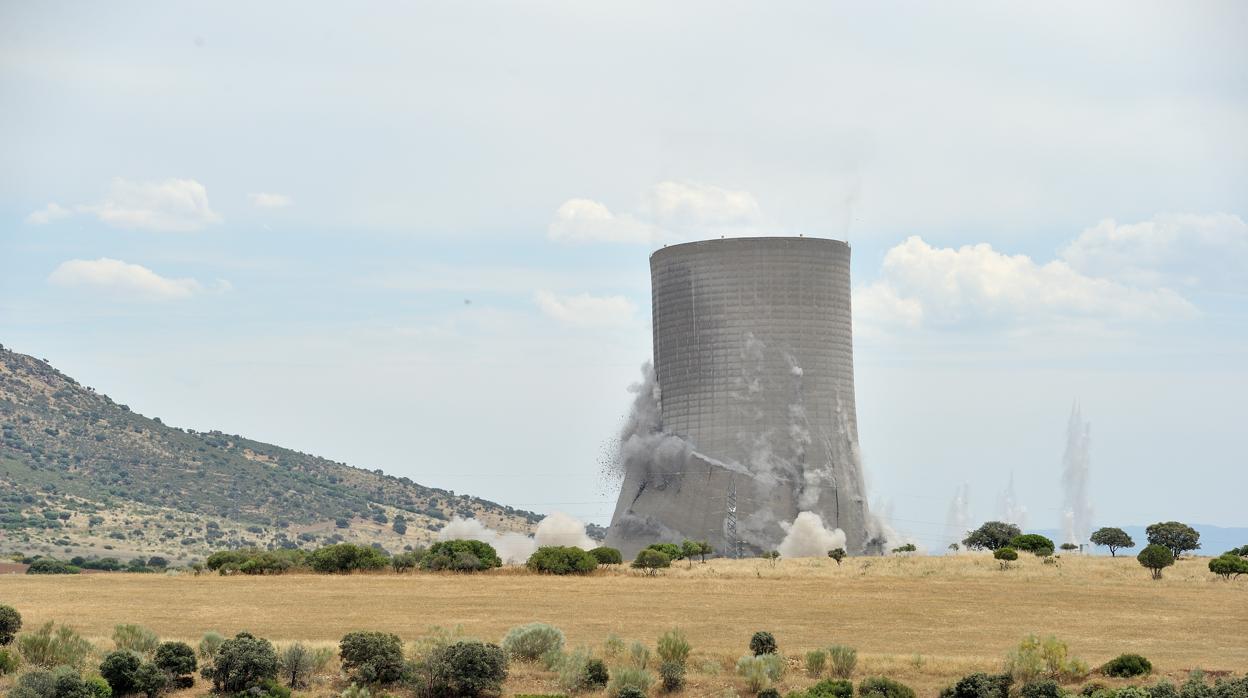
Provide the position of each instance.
(922, 620)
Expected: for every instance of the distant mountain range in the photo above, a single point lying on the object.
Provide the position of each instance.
(1214, 540)
(83, 475)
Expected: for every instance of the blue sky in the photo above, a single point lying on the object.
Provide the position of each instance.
(415, 237)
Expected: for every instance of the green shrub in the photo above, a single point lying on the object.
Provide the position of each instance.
(760, 670)
(528, 643)
(673, 646)
(47, 565)
(638, 656)
(561, 559)
(406, 561)
(769, 693)
(10, 623)
(1033, 543)
(993, 535)
(344, 558)
(463, 669)
(573, 673)
(627, 681)
(607, 556)
(1044, 688)
(831, 688)
(672, 674)
(46, 648)
(1228, 566)
(243, 662)
(671, 550)
(135, 638)
(1046, 658)
(881, 687)
(150, 680)
(596, 674)
(842, 661)
(461, 556)
(1195, 686)
(177, 659)
(1005, 555)
(97, 687)
(816, 660)
(1133, 692)
(1125, 666)
(356, 691)
(1163, 689)
(8, 662)
(650, 561)
(763, 642)
(980, 685)
(372, 657)
(62, 682)
(120, 669)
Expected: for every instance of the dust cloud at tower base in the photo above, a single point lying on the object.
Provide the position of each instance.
(747, 418)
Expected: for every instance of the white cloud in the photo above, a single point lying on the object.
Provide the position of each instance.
(267, 200)
(47, 214)
(583, 220)
(172, 205)
(114, 275)
(975, 285)
(584, 310)
(1182, 250)
(668, 211)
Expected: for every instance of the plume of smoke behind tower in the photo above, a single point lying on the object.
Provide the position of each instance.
(1076, 467)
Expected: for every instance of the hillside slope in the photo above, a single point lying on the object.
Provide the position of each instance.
(81, 474)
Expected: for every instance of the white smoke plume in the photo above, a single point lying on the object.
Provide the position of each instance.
(1076, 467)
(515, 548)
(1011, 510)
(958, 520)
(807, 536)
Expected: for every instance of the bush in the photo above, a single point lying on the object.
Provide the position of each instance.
(571, 670)
(881, 687)
(607, 556)
(980, 685)
(10, 623)
(672, 674)
(671, 550)
(47, 649)
(1047, 658)
(760, 670)
(638, 656)
(561, 559)
(406, 561)
(150, 680)
(763, 642)
(63, 682)
(528, 643)
(1044, 688)
(463, 669)
(297, 663)
(47, 565)
(1133, 692)
(120, 669)
(1125, 666)
(1005, 555)
(8, 662)
(372, 657)
(1155, 558)
(135, 638)
(831, 688)
(815, 662)
(344, 558)
(651, 561)
(242, 662)
(461, 556)
(1228, 566)
(177, 659)
(629, 681)
(674, 647)
(843, 660)
(1163, 689)
(596, 674)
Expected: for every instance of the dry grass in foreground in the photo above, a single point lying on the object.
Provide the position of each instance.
(924, 621)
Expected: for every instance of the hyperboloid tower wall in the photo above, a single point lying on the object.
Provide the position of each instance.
(753, 358)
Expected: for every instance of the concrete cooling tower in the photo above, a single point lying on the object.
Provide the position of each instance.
(753, 399)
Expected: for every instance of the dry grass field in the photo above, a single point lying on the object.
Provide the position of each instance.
(924, 621)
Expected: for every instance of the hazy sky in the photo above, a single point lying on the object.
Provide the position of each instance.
(416, 238)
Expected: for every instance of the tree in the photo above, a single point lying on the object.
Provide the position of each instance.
(1112, 538)
(772, 557)
(457, 549)
(344, 558)
(650, 561)
(689, 549)
(607, 556)
(372, 657)
(177, 659)
(907, 548)
(242, 662)
(1228, 566)
(1033, 543)
(399, 525)
(1069, 547)
(671, 550)
(1177, 537)
(837, 554)
(1005, 555)
(1156, 558)
(561, 559)
(992, 536)
(120, 669)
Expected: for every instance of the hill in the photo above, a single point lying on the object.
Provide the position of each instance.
(81, 474)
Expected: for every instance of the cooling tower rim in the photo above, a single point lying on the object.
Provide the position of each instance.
(727, 242)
